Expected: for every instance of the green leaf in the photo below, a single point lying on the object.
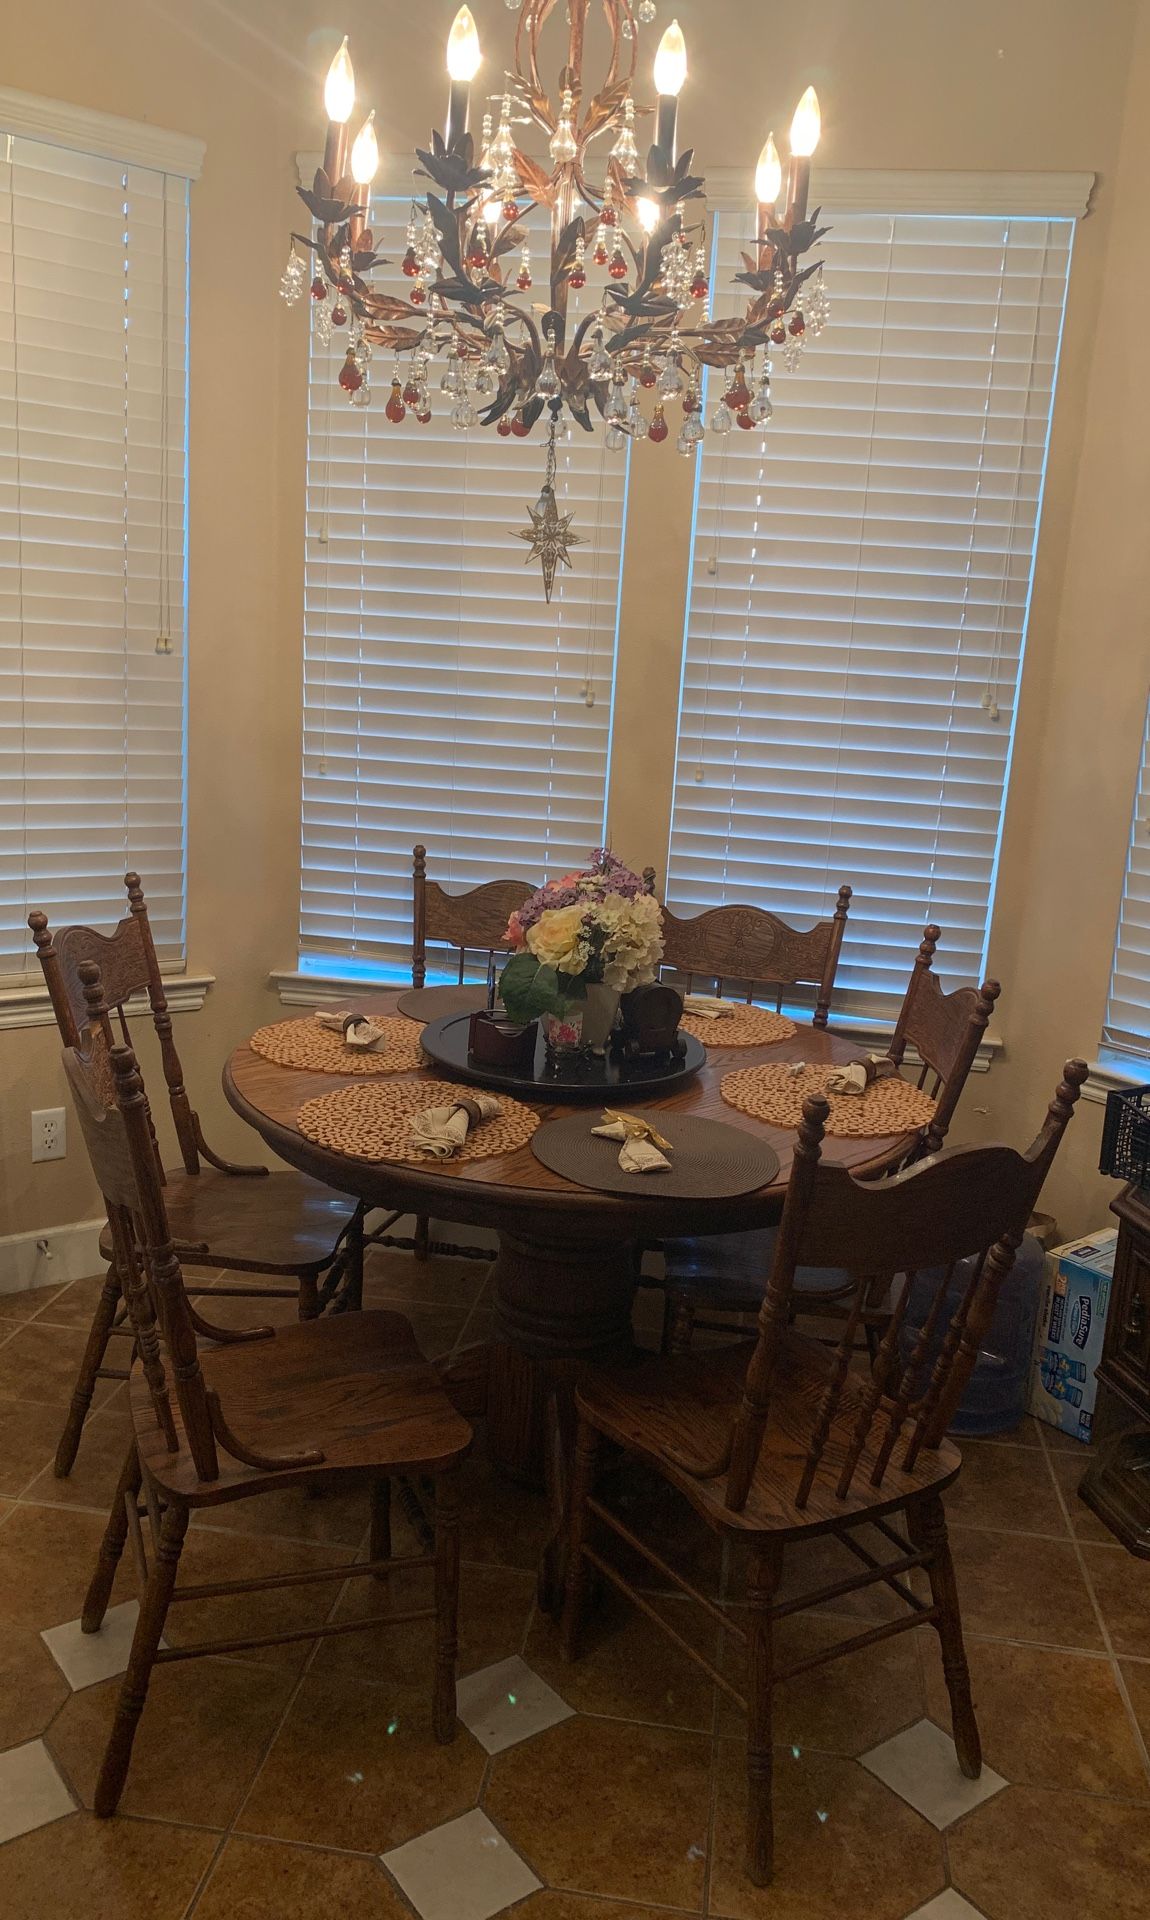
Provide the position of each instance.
(528, 989)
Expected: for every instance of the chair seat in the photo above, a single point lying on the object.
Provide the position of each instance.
(679, 1410)
(280, 1222)
(732, 1269)
(355, 1386)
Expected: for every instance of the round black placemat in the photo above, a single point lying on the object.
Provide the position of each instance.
(582, 1078)
(436, 1003)
(710, 1161)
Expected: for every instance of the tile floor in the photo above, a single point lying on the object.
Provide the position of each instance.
(303, 1781)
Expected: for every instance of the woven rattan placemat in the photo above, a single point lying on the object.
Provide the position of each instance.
(316, 1049)
(745, 1027)
(371, 1122)
(776, 1094)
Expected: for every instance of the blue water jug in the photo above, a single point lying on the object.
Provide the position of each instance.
(996, 1392)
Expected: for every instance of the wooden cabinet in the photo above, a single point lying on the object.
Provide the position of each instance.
(1117, 1482)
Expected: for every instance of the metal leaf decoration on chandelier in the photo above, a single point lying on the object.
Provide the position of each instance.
(620, 309)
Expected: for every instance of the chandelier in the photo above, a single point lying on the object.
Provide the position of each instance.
(622, 302)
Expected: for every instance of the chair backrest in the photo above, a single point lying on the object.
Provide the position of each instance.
(758, 951)
(472, 922)
(963, 1204)
(128, 965)
(945, 1030)
(112, 1108)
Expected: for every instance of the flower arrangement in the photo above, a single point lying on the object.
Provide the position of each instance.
(595, 926)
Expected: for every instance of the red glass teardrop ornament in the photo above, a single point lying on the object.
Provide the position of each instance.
(699, 287)
(608, 216)
(618, 266)
(778, 333)
(738, 395)
(350, 377)
(600, 255)
(511, 209)
(576, 279)
(339, 316)
(411, 394)
(744, 420)
(423, 416)
(647, 375)
(476, 255)
(409, 264)
(798, 326)
(418, 296)
(519, 427)
(523, 279)
(504, 428)
(395, 409)
(658, 429)
(318, 287)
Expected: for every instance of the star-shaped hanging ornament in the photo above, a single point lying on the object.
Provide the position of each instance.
(549, 537)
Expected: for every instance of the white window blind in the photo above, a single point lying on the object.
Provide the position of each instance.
(860, 584)
(444, 700)
(1128, 1009)
(93, 338)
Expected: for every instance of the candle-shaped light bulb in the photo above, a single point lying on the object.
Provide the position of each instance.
(648, 213)
(768, 174)
(339, 87)
(365, 153)
(463, 52)
(806, 126)
(671, 62)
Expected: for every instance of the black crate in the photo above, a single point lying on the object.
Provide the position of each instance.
(1126, 1136)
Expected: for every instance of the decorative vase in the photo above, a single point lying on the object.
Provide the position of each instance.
(563, 1032)
(600, 1012)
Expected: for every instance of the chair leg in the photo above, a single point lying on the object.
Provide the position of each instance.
(112, 1545)
(446, 1604)
(98, 1336)
(146, 1640)
(422, 1243)
(582, 1484)
(926, 1525)
(679, 1320)
(762, 1581)
(308, 1296)
(353, 1284)
(379, 1547)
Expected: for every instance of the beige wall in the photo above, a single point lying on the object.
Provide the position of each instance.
(905, 83)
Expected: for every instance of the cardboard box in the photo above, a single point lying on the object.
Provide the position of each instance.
(1068, 1336)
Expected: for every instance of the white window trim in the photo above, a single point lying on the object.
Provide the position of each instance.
(30, 1006)
(83, 130)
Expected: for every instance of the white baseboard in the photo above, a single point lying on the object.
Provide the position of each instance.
(53, 1257)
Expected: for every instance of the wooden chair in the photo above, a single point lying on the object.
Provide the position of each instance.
(345, 1400)
(472, 923)
(222, 1215)
(726, 1273)
(777, 1440)
(757, 951)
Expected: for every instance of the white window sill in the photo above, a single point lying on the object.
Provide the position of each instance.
(30, 1006)
(321, 990)
(1114, 1071)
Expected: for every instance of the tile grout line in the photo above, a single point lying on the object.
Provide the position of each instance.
(1084, 1569)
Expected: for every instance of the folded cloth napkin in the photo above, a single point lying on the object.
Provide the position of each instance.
(441, 1131)
(861, 1074)
(641, 1143)
(704, 1008)
(358, 1031)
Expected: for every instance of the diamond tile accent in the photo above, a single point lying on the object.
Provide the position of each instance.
(947, 1906)
(465, 1870)
(31, 1791)
(921, 1765)
(86, 1658)
(508, 1702)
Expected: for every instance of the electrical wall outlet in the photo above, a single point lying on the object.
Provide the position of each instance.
(49, 1134)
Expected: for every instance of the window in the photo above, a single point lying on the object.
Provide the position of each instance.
(859, 595)
(93, 337)
(444, 700)
(1128, 1008)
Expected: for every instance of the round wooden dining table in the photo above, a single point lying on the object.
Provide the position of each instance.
(564, 1275)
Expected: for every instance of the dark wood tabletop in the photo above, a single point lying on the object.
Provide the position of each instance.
(515, 1189)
